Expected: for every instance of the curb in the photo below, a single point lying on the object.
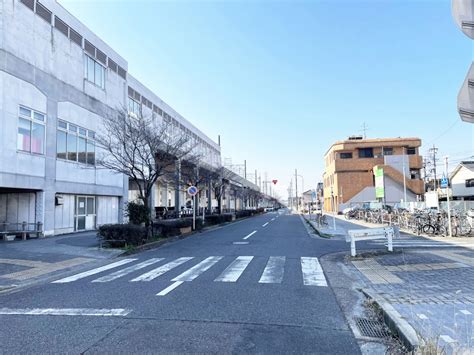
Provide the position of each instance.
(395, 321)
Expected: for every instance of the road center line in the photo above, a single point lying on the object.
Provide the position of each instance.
(273, 218)
(117, 312)
(248, 236)
(169, 288)
(266, 224)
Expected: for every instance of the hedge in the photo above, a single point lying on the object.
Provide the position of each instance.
(117, 235)
(172, 227)
(218, 218)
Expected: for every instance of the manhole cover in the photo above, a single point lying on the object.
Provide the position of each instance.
(371, 328)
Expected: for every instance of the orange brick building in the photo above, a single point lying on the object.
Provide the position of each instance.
(350, 164)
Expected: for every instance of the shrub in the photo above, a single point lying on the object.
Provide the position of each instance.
(122, 234)
(171, 227)
(218, 218)
(244, 213)
(137, 213)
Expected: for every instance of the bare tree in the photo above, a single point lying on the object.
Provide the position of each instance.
(220, 183)
(143, 149)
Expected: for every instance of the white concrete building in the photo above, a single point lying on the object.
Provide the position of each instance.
(57, 78)
(462, 181)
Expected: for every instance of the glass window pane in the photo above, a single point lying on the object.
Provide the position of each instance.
(81, 223)
(62, 124)
(90, 69)
(72, 147)
(91, 134)
(90, 153)
(81, 205)
(61, 145)
(72, 128)
(24, 134)
(25, 112)
(38, 116)
(90, 205)
(81, 150)
(37, 138)
(82, 131)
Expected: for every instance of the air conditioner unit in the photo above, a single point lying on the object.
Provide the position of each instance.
(59, 200)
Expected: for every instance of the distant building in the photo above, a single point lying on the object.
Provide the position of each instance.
(350, 165)
(462, 181)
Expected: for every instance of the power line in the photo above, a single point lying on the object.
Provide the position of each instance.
(457, 120)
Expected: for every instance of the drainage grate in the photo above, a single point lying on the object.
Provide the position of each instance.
(371, 328)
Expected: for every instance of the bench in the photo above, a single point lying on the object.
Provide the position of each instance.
(356, 235)
(21, 229)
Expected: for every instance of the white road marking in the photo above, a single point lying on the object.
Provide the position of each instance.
(447, 339)
(273, 272)
(266, 224)
(117, 312)
(422, 316)
(465, 311)
(240, 243)
(273, 219)
(313, 274)
(235, 269)
(248, 236)
(128, 270)
(198, 269)
(93, 271)
(169, 288)
(153, 274)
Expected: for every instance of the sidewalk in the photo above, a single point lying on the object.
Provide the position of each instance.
(431, 288)
(23, 263)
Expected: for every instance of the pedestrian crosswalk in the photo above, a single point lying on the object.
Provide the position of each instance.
(271, 270)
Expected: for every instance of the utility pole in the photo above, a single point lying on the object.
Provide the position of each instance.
(434, 151)
(447, 197)
(245, 169)
(296, 189)
(256, 177)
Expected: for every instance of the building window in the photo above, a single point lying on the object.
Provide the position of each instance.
(94, 72)
(345, 155)
(470, 183)
(31, 131)
(75, 143)
(366, 152)
(134, 107)
(387, 151)
(411, 151)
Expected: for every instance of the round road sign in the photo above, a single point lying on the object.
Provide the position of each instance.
(192, 190)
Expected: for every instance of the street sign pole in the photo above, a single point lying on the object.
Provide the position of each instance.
(447, 197)
(194, 212)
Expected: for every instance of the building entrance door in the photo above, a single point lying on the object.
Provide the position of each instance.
(84, 213)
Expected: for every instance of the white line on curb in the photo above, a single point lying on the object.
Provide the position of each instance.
(117, 312)
(169, 288)
(248, 236)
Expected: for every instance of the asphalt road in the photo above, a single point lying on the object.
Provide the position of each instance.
(203, 294)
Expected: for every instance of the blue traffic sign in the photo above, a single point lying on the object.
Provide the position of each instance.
(192, 190)
(444, 182)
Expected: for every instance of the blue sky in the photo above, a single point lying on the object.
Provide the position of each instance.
(282, 80)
